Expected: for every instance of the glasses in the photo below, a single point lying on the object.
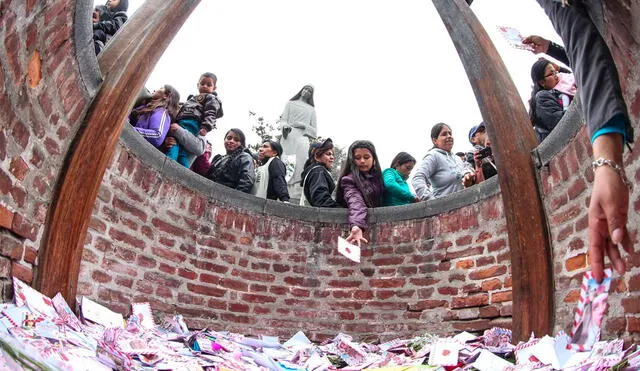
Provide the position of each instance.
(553, 73)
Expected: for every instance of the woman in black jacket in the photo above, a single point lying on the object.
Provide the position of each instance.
(235, 169)
(317, 183)
(270, 176)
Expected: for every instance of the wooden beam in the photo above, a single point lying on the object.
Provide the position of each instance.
(125, 64)
(513, 140)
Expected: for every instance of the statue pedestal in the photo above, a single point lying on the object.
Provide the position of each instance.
(295, 191)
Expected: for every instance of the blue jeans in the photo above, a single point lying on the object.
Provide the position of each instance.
(179, 154)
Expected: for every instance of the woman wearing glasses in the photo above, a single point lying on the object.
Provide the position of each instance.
(549, 98)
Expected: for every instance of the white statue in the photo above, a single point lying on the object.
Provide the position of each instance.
(298, 123)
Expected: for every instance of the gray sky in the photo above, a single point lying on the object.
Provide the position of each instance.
(384, 71)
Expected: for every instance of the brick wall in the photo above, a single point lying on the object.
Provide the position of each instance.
(42, 99)
(153, 239)
(246, 269)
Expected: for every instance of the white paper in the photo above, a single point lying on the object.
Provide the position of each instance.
(351, 251)
(488, 361)
(95, 312)
(297, 340)
(444, 353)
(143, 312)
(464, 336)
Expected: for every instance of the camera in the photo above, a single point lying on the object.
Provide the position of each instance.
(484, 153)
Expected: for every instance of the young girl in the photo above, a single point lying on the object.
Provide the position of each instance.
(270, 182)
(360, 186)
(548, 103)
(152, 120)
(107, 20)
(235, 169)
(396, 189)
(317, 183)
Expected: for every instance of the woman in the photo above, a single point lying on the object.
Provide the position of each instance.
(360, 187)
(396, 189)
(317, 183)
(441, 172)
(235, 169)
(270, 182)
(152, 119)
(298, 125)
(549, 98)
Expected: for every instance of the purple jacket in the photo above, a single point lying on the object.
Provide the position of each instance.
(354, 200)
(154, 126)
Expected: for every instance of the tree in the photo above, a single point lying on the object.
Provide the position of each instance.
(264, 129)
(339, 156)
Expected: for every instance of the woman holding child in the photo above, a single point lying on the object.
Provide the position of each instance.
(441, 172)
(234, 169)
(152, 120)
(360, 187)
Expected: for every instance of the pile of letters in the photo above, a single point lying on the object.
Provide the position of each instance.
(40, 333)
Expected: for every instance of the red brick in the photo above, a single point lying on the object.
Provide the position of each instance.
(168, 228)
(146, 262)
(209, 267)
(6, 217)
(387, 282)
(256, 298)
(496, 245)
(130, 209)
(471, 251)
(186, 273)
(633, 324)
(206, 290)
(21, 272)
(483, 273)
(238, 308)
(253, 276)
(576, 244)
(166, 268)
(464, 264)
(168, 254)
(485, 260)
(576, 188)
(498, 297)
(492, 284)
(162, 279)
(24, 228)
(101, 277)
(126, 238)
(18, 168)
(394, 260)
(464, 241)
(616, 325)
(236, 285)
(470, 301)
(572, 297)
(489, 312)
(447, 290)
(577, 262)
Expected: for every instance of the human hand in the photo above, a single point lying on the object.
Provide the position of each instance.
(477, 159)
(95, 17)
(537, 43)
(285, 131)
(467, 180)
(173, 128)
(170, 142)
(417, 199)
(355, 237)
(608, 209)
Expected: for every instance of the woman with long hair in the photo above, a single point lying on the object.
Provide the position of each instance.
(152, 120)
(360, 187)
(441, 172)
(235, 168)
(298, 121)
(548, 101)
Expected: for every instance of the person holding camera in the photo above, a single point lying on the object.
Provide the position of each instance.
(481, 157)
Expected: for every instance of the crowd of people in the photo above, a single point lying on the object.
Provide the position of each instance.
(179, 129)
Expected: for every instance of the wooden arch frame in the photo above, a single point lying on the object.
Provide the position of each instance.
(145, 38)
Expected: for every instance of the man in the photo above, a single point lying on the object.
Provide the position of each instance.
(481, 158)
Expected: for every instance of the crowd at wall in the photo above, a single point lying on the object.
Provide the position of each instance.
(178, 130)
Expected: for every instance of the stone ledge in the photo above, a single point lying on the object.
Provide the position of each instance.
(85, 52)
(561, 136)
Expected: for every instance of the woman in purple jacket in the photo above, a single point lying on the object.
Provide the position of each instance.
(152, 120)
(360, 186)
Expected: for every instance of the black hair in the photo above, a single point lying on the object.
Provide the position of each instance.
(537, 74)
(240, 135)
(210, 75)
(309, 100)
(401, 159)
(170, 103)
(316, 149)
(349, 167)
(437, 128)
(122, 7)
(275, 146)
(461, 154)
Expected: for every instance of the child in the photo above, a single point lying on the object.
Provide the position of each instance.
(107, 20)
(198, 115)
(152, 119)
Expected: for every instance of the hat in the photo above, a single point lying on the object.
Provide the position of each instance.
(323, 146)
(475, 129)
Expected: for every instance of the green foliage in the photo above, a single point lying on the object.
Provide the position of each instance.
(263, 129)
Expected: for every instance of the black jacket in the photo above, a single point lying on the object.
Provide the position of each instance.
(110, 22)
(318, 186)
(548, 110)
(277, 188)
(234, 170)
(487, 169)
(204, 108)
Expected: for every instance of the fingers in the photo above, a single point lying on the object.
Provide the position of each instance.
(364, 240)
(614, 255)
(596, 250)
